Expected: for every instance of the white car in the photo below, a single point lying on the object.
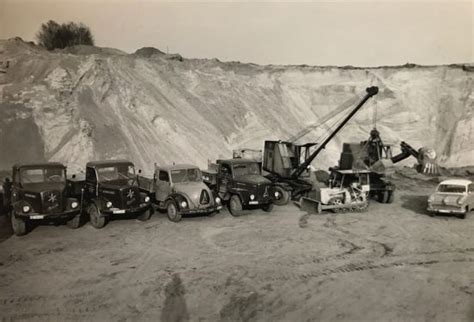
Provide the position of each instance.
(455, 196)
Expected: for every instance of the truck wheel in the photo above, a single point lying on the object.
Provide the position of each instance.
(284, 196)
(146, 215)
(18, 225)
(97, 220)
(75, 222)
(235, 206)
(172, 212)
(268, 208)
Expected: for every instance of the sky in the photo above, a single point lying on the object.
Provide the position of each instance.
(314, 33)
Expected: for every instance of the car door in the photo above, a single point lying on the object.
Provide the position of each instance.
(163, 186)
(91, 183)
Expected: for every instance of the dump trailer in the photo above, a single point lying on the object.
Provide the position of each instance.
(288, 163)
(376, 156)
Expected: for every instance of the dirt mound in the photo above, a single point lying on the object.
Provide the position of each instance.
(151, 107)
(91, 50)
(148, 52)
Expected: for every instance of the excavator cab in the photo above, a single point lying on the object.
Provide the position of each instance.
(282, 158)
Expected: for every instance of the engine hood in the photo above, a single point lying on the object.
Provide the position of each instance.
(43, 186)
(252, 179)
(192, 190)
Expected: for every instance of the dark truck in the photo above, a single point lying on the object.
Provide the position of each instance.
(179, 190)
(240, 183)
(111, 188)
(39, 191)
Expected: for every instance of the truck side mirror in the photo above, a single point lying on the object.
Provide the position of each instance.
(139, 171)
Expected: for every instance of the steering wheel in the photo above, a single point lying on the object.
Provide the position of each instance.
(55, 178)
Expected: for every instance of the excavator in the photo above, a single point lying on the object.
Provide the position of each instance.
(288, 167)
(376, 156)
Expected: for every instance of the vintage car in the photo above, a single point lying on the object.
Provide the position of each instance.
(111, 188)
(455, 196)
(38, 191)
(179, 190)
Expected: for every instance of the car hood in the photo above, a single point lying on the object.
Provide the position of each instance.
(252, 179)
(192, 190)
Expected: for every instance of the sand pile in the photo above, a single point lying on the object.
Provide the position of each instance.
(84, 104)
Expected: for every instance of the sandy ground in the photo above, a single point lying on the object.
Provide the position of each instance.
(392, 263)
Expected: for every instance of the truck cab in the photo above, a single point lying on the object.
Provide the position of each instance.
(111, 188)
(240, 183)
(38, 191)
(180, 190)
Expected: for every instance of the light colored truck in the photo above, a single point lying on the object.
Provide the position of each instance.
(454, 196)
(179, 190)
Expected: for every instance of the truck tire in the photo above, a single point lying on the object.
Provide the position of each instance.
(18, 225)
(172, 212)
(97, 221)
(235, 206)
(268, 208)
(75, 222)
(146, 215)
(285, 196)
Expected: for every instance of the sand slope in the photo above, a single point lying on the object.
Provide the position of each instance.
(93, 103)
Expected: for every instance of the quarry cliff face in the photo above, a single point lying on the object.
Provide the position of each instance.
(89, 103)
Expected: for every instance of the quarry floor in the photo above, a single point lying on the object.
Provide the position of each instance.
(392, 263)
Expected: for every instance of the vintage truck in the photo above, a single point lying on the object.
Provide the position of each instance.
(111, 188)
(39, 191)
(240, 183)
(179, 190)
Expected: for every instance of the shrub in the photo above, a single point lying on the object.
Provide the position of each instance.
(53, 35)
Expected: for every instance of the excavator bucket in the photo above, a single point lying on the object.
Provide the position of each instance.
(427, 161)
(383, 166)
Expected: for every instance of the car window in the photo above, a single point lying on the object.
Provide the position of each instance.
(451, 188)
(163, 176)
(225, 169)
(90, 175)
(42, 175)
(186, 175)
(246, 169)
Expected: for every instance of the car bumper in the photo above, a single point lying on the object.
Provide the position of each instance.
(446, 210)
(257, 203)
(200, 210)
(37, 216)
(118, 211)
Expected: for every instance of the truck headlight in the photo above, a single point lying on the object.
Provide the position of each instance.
(147, 199)
(252, 197)
(74, 204)
(218, 200)
(26, 209)
(108, 204)
(184, 204)
(277, 195)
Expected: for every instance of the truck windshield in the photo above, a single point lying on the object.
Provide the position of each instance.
(451, 188)
(116, 173)
(186, 175)
(246, 169)
(41, 175)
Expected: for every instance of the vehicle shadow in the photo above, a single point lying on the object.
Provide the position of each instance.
(415, 203)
